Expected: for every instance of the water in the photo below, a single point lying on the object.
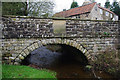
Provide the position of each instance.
(67, 61)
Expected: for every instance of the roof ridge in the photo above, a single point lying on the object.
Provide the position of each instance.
(76, 7)
(105, 9)
(82, 6)
(77, 10)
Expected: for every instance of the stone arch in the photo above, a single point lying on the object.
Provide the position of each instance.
(42, 42)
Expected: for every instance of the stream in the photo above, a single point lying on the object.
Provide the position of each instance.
(66, 61)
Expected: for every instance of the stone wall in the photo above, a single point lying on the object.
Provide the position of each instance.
(95, 14)
(37, 27)
(94, 36)
(27, 28)
(12, 48)
(91, 28)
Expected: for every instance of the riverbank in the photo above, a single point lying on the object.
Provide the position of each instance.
(15, 71)
(109, 62)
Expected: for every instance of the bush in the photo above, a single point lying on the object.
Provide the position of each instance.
(109, 62)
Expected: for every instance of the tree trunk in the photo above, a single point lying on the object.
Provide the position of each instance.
(25, 13)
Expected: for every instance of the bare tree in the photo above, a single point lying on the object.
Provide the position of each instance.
(40, 8)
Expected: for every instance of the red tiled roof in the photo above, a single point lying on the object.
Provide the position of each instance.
(105, 9)
(75, 11)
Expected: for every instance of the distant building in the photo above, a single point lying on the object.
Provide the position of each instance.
(119, 3)
(89, 10)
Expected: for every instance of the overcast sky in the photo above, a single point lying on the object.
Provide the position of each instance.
(65, 4)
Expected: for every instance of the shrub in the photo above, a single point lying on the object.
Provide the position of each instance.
(109, 62)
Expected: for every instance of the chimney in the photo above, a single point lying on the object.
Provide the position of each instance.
(99, 4)
(64, 9)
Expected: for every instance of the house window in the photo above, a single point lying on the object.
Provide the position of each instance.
(111, 15)
(116, 17)
(77, 17)
(101, 11)
(113, 19)
(107, 13)
(86, 15)
(96, 8)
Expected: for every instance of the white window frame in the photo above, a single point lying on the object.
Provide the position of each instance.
(107, 13)
(101, 11)
(115, 17)
(111, 15)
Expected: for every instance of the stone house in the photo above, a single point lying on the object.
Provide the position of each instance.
(89, 10)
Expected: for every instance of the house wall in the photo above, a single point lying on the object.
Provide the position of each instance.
(95, 14)
(81, 16)
(105, 17)
(115, 18)
(85, 16)
(108, 16)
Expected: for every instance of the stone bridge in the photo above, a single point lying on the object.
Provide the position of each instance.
(22, 35)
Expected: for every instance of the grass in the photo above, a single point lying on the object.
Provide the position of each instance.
(15, 71)
(0, 70)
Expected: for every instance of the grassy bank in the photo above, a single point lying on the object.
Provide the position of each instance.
(15, 71)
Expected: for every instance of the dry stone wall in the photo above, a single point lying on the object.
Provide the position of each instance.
(93, 36)
(91, 28)
(26, 28)
(37, 27)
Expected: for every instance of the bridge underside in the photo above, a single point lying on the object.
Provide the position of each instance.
(55, 54)
(44, 42)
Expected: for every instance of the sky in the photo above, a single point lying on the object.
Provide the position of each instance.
(65, 4)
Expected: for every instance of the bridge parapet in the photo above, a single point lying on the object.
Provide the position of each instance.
(37, 27)
(20, 32)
